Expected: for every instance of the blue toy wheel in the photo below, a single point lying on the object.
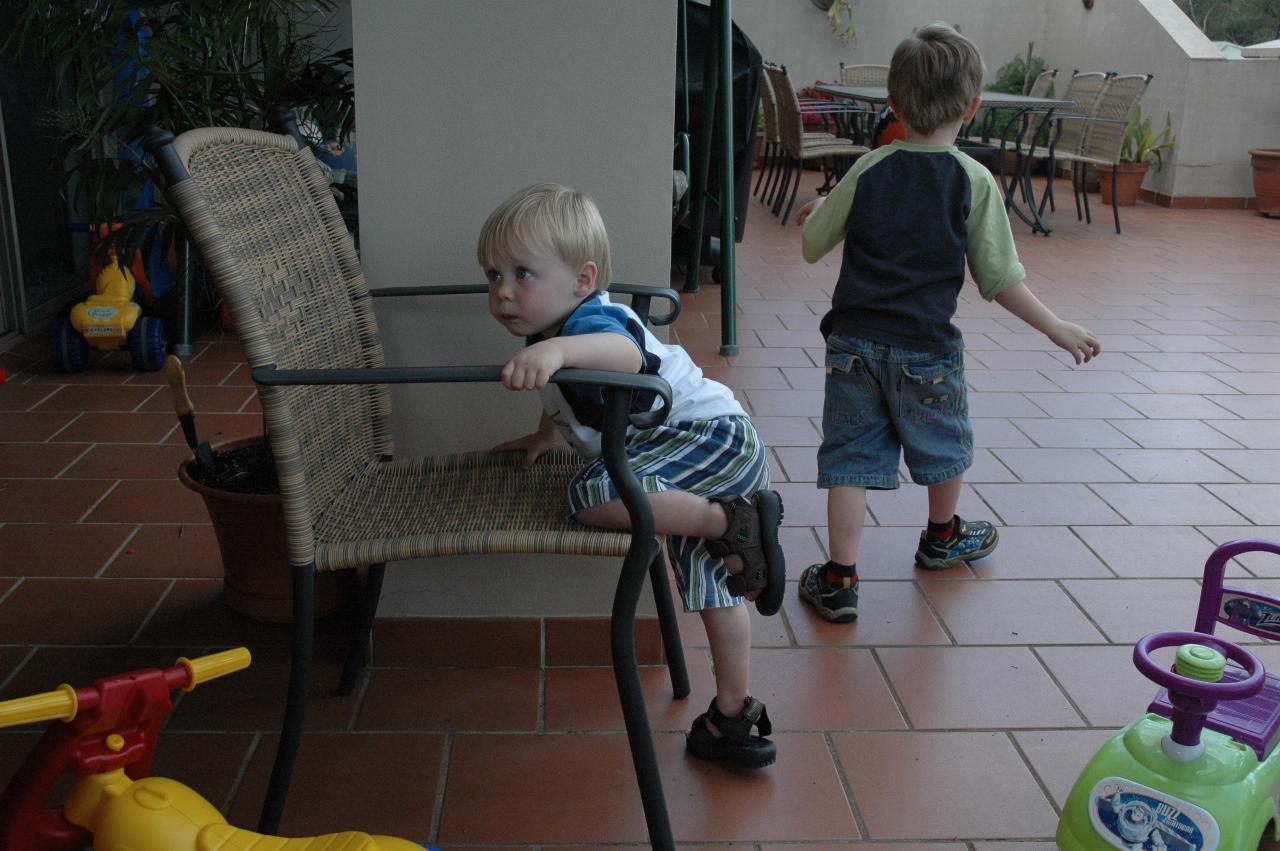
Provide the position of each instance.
(147, 344)
(69, 350)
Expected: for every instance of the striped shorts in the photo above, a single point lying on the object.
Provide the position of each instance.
(710, 458)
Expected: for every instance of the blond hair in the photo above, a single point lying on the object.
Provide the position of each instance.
(933, 76)
(547, 217)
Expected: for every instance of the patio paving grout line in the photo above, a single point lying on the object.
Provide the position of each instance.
(4, 683)
(1044, 788)
(89, 447)
(114, 484)
(255, 742)
(1084, 719)
(1085, 612)
(133, 640)
(362, 694)
(859, 822)
(437, 808)
(128, 539)
(1074, 531)
(888, 683)
(65, 426)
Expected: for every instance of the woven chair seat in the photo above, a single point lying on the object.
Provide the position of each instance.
(471, 503)
(1083, 158)
(836, 147)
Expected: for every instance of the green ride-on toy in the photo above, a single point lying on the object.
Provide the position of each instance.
(107, 320)
(1200, 771)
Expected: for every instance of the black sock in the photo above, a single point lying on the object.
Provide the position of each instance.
(942, 531)
(835, 573)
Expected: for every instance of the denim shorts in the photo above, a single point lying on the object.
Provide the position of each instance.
(883, 401)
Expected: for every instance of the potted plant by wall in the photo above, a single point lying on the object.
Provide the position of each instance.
(840, 17)
(1141, 148)
(1266, 180)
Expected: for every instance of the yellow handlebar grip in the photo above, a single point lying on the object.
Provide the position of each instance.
(57, 705)
(206, 668)
(178, 384)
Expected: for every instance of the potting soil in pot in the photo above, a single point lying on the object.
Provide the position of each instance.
(244, 469)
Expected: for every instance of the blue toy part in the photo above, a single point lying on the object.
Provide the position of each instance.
(68, 349)
(147, 344)
(1133, 817)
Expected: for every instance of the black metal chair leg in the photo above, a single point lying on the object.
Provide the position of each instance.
(1084, 192)
(766, 156)
(775, 165)
(1075, 189)
(795, 187)
(1115, 206)
(780, 191)
(670, 627)
(780, 174)
(295, 710)
(357, 655)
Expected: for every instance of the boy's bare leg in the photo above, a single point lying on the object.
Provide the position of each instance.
(729, 635)
(846, 515)
(674, 513)
(943, 499)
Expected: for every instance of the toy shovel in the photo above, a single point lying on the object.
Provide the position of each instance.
(186, 412)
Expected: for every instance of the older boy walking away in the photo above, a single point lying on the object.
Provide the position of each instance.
(545, 253)
(910, 215)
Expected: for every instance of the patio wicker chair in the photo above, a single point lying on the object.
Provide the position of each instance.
(864, 75)
(1103, 132)
(796, 148)
(1084, 89)
(772, 154)
(267, 227)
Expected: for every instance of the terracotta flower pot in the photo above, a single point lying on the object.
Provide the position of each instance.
(249, 527)
(1266, 179)
(1128, 181)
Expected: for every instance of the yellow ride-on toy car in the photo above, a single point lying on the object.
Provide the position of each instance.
(107, 320)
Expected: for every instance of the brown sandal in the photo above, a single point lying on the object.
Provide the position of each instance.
(735, 745)
(753, 537)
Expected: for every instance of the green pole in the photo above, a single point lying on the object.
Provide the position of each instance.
(728, 319)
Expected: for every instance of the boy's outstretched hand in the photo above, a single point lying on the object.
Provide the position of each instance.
(807, 210)
(534, 446)
(1079, 342)
(530, 368)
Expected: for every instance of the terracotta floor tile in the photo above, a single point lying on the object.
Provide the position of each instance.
(23, 397)
(1060, 465)
(909, 506)
(186, 551)
(748, 377)
(208, 763)
(341, 783)
(82, 666)
(1252, 434)
(1155, 551)
(1047, 505)
(586, 699)
(803, 504)
(1009, 380)
(1246, 382)
(986, 404)
(1008, 612)
(94, 611)
(888, 552)
(1259, 503)
(1039, 552)
(1057, 757)
(38, 460)
(1253, 465)
(979, 687)
(1168, 465)
(107, 427)
(128, 461)
(1127, 609)
(48, 500)
(786, 403)
(997, 432)
(803, 546)
(194, 613)
(823, 689)
(461, 699)
(797, 464)
(538, 779)
(1180, 382)
(205, 399)
(197, 372)
(1258, 563)
(1080, 405)
(788, 431)
(230, 351)
(1182, 434)
(33, 427)
(889, 613)
(943, 786)
(1175, 406)
(1102, 681)
(1065, 433)
(148, 501)
(85, 397)
(1170, 505)
(59, 549)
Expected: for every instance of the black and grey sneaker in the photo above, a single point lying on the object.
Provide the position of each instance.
(968, 541)
(836, 603)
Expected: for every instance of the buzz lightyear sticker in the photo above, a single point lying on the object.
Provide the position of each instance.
(1133, 817)
(1248, 612)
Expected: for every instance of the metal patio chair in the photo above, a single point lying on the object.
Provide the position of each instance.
(1084, 89)
(259, 209)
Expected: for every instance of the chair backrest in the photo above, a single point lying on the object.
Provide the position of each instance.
(864, 75)
(790, 124)
(1043, 84)
(268, 228)
(1120, 97)
(768, 106)
(1084, 89)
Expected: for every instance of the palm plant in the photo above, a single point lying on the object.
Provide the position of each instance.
(117, 67)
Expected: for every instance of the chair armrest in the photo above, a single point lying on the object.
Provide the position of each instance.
(270, 376)
(640, 297)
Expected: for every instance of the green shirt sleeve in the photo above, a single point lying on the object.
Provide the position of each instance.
(993, 258)
(825, 229)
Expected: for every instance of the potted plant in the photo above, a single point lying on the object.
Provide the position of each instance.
(1142, 146)
(1266, 180)
(840, 17)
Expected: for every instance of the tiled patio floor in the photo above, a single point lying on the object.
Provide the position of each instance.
(956, 712)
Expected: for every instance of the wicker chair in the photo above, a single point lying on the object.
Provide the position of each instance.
(1103, 138)
(1084, 89)
(796, 147)
(267, 227)
(772, 154)
(864, 75)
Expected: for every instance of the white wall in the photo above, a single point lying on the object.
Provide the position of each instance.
(458, 106)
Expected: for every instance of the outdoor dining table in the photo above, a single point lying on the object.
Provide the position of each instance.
(1015, 131)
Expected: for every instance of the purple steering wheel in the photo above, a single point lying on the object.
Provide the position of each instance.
(1255, 674)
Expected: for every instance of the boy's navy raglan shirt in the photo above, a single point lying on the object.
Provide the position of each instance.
(909, 216)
